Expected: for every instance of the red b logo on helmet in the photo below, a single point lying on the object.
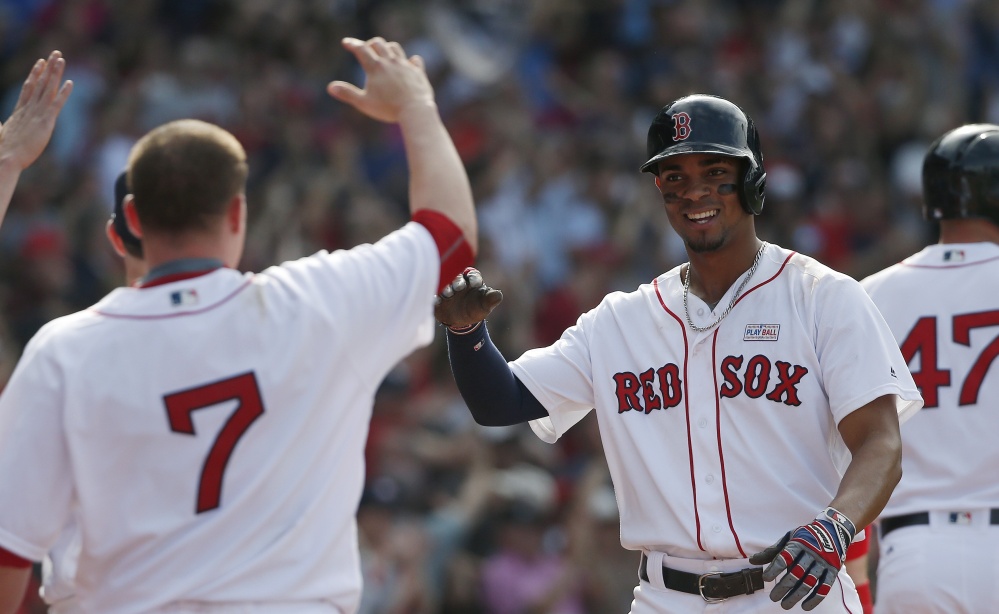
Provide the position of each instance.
(681, 126)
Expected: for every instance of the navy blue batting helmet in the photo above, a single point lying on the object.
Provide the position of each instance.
(701, 123)
(132, 243)
(961, 174)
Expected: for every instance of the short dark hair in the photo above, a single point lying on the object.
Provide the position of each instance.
(183, 175)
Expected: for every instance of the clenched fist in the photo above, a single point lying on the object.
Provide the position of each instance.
(466, 301)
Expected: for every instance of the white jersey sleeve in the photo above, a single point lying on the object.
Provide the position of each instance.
(37, 486)
(856, 349)
(388, 286)
(566, 370)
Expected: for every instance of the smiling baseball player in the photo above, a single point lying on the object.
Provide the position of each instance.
(748, 396)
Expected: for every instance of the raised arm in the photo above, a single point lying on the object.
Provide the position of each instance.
(397, 90)
(493, 394)
(27, 131)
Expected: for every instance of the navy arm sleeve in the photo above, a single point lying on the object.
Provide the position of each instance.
(492, 392)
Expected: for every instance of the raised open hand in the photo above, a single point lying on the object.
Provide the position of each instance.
(393, 81)
(27, 131)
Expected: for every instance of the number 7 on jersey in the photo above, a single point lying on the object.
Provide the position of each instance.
(180, 405)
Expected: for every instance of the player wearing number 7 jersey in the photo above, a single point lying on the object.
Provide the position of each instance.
(940, 530)
(206, 428)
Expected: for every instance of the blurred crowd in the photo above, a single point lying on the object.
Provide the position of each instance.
(549, 103)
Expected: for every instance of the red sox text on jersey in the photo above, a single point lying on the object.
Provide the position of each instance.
(751, 377)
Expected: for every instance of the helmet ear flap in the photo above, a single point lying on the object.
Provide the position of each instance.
(753, 189)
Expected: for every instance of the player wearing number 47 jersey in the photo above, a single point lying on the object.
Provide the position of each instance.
(748, 396)
(205, 430)
(939, 547)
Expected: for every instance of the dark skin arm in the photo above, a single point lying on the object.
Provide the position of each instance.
(872, 435)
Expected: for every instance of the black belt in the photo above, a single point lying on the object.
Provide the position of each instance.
(712, 586)
(891, 523)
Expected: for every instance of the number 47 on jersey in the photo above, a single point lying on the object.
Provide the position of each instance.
(931, 376)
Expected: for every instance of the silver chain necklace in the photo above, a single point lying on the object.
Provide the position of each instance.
(731, 304)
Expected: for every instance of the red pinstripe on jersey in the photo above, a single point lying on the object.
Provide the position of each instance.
(686, 396)
(686, 405)
(721, 453)
(770, 279)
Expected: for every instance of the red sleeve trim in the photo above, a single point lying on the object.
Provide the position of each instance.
(9, 559)
(455, 252)
(858, 549)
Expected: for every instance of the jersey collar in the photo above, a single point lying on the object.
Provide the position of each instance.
(176, 270)
(947, 255)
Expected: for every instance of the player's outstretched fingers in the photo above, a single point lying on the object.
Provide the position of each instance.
(795, 587)
(766, 556)
(46, 78)
(379, 46)
(31, 83)
(346, 92)
(365, 55)
(819, 593)
(54, 69)
(395, 50)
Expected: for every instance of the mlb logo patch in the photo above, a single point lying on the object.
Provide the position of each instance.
(954, 255)
(960, 517)
(184, 298)
(761, 332)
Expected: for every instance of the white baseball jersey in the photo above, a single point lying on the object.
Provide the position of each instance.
(720, 442)
(59, 570)
(942, 305)
(209, 432)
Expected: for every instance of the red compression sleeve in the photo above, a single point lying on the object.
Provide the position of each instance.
(855, 551)
(9, 559)
(859, 549)
(455, 252)
(864, 591)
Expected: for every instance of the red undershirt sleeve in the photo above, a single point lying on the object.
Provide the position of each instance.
(9, 559)
(455, 252)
